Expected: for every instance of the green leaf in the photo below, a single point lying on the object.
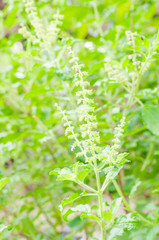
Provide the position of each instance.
(115, 232)
(108, 216)
(133, 190)
(108, 169)
(83, 208)
(150, 116)
(115, 205)
(3, 181)
(127, 222)
(28, 227)
(82, 174)
(153, 233)
(111, 172)
(37, 92)
(121, 158)
(122, 223)
(73, 197)
(63, 174)
(71, 174)
(90, 216)
(75, 222)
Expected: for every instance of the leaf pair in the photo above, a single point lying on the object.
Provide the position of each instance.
(77, 172)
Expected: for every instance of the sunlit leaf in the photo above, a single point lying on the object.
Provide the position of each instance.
(3, 181)
(79, 208)
(115, 205)
(150, 115)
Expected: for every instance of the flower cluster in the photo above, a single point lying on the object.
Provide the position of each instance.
(131, 37)
(88, 121)
(110, 154)
(44, 37)
(70, 131)
(131, 41)
(53, 29)
(115, 72)
(116, 141)
(90, 136)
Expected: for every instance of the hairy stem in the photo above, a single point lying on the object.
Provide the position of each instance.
(142, 71)
(86, 187)
(100, 200)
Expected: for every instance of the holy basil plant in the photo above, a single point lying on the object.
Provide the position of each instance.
(79, 116)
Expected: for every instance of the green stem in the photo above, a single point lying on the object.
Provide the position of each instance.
(86, 187)
(100, 200)
(127, 204)
(142, 71)
(121, 195)
(148, 158)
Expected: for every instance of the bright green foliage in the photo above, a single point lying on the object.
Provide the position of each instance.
(150, 117)
(3, 181)
(79, 99)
